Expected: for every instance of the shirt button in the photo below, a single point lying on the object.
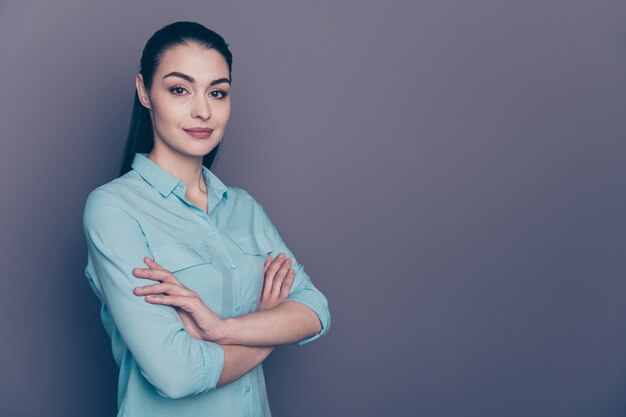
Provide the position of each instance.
(233, 266)
(247, 389)
(237, 308)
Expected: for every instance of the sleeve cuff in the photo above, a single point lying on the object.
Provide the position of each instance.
(213, 365)
(319, 307)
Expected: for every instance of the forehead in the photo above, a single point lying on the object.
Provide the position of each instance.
(205, 65)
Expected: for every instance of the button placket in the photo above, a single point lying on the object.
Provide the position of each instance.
(223, 263)
(254, 246)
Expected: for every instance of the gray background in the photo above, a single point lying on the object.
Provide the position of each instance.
(451, 174)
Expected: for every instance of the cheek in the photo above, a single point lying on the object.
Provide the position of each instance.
(168, 115)
(222, 113)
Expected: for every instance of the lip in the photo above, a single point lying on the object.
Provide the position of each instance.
(199, 132)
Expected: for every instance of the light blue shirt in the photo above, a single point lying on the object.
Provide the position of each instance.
(220, 255)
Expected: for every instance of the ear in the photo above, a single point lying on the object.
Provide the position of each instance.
(142, 92)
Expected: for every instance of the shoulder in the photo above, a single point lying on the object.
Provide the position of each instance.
(122, 188)
(112, 198)
(241, 197)
(245, 207)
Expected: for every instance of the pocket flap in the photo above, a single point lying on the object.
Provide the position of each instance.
(258, 244)
(177, 257)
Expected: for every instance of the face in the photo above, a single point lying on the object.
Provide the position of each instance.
(190, 90)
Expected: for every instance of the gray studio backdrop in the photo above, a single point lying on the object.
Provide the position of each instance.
(450, 172)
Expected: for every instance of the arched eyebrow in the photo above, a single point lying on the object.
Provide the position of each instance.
(193, 80)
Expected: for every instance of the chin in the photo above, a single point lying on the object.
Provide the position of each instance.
(198, 151)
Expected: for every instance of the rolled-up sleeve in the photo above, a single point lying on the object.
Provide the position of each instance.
(302, 290)
(174, 362)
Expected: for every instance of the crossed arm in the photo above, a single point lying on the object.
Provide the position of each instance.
(246, 340)
(173, 356)
(285, 323)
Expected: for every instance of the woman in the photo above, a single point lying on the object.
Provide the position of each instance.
(196, 284)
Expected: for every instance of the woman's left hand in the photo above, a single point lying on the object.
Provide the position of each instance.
(208, 325)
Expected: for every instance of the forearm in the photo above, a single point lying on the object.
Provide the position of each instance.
(239, 360)
(286, 323)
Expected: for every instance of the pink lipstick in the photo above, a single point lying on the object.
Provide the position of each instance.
(199, 132)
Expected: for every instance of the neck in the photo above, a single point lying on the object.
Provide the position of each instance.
(185, 168)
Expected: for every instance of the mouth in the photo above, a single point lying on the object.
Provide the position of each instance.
(199, 132)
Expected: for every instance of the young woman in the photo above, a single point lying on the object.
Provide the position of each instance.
(196, 284)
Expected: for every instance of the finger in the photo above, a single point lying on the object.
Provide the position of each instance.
(279, 277)
(152, 263)
(182, 302)
(275, 265)
(270, 273)
(286, 288)
(164, 288)
(267, 285)
(162, 275)
(153, 274)
(267, 263)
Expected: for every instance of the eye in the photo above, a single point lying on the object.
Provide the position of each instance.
(222, 92)
(177, 90)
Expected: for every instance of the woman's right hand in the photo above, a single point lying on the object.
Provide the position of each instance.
(278, 279)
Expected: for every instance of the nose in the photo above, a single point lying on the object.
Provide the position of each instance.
(201, 108)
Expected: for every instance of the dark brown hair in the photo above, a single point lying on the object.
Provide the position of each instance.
(140, 134)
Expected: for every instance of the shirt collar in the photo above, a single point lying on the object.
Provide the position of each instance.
(165, 182)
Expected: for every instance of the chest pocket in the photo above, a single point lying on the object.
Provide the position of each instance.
(193, 266)
(251, 251)
(258, 245)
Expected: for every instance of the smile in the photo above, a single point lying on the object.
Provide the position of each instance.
(199, 133)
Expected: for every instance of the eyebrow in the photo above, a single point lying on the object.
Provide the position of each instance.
(192, 80)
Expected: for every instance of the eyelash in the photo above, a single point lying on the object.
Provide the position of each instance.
(224, 93)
